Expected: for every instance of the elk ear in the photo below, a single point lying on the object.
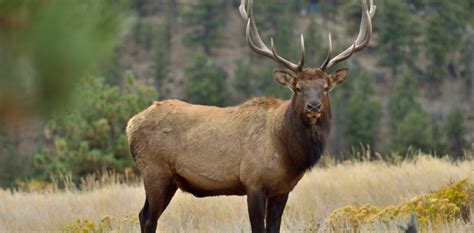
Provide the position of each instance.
(338, 77)
(284, 78)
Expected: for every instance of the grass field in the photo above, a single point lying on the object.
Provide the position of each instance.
(315, 197)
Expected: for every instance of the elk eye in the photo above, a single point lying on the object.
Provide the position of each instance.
(298, 89)
(326, 89)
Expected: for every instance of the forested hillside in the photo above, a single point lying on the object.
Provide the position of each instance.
(412, 89)
(418, 67)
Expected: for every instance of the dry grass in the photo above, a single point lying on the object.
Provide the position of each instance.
(320, 192)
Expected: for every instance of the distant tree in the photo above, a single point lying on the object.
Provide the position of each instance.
(244, 80)
(444, 36)
(143, 33)
(206, 82)
(314, 42)
(397, 29)
(454, 130)
(91, 136)
(204, 19)
(363, 113)
(162, 53)
(266, 84)
(416, 131)
(276, 19)
(403, 99)
(411, 127)
(339, 106)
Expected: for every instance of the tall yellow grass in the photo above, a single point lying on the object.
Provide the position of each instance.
(315, 197)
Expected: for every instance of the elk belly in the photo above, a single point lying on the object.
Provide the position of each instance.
(203, 183)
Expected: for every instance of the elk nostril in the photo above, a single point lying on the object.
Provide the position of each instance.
(313, 107)
(317, 106)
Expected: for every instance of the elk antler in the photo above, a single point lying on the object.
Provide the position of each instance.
(256, 43)
(362, 41)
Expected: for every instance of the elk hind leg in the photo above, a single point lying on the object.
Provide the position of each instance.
(158, 195)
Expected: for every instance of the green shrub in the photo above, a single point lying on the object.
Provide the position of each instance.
(92, 136)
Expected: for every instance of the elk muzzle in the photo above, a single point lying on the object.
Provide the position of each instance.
(313, 111)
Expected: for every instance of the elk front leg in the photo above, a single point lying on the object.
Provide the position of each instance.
(256, 208)
(275, 207)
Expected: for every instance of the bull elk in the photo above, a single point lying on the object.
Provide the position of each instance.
(260, 148)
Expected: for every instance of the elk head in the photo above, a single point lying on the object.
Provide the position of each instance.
(311, 86)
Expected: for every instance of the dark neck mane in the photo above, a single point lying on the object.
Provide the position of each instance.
(301, 143)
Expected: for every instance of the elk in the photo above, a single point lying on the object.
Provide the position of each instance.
(260, 148)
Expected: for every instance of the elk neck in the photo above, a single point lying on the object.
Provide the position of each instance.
(301, 143)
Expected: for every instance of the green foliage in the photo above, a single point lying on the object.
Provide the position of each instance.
(356, 114)
(143, 33)
(13, 162)
(268, 86)
(206, 82)
(411, 127)
(244, 81)
(205, 19)
(314, 42)
(397, 28)
(275, 19)
(446, 22)
(339, 103)
(363, 113)
(403, 99)
(162, 56)
(92, 136)
(48, 45)
(454, 129)
(416, 131)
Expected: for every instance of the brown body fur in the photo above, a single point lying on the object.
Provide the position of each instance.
(225, 151)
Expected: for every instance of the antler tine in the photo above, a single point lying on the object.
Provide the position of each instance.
(257, 45)
(363, 38)
(328, 58)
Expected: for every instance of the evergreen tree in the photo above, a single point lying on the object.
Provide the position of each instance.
(204, 21)
(363, 113)
(403, 99)
(162, 54)
(244, 81)
(91, 136)
(207, 82)
(266, 84)
(411, 127)
(397, 29)
(314, 42)
(455, 131)
(416, 131)
(446, 25)
(276, 19)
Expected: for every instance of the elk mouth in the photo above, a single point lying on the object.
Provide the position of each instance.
(314, 116)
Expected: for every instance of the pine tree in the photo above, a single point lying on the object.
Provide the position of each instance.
(363, 113)
(444, 33)
(244, 81)
(204, 19)
(454, 130)
(206, 82)
(314, 42)
(416, 131)
(90, 136)
(162, 52)
(411, 127)
(397, 28)
(403, 99)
